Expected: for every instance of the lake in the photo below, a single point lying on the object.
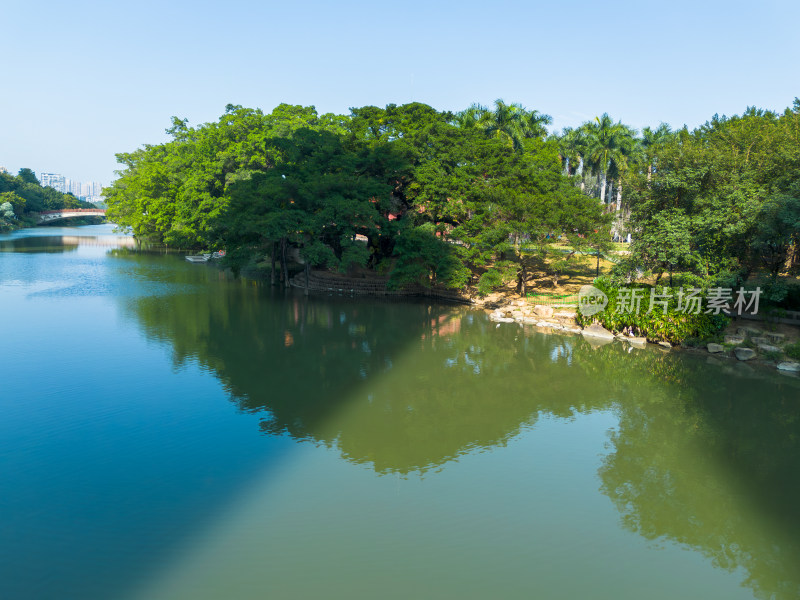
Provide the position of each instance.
(170, 432)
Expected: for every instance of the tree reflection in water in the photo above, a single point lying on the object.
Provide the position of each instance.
(703, 456)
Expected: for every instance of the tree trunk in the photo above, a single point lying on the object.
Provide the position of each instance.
(523, 275)
(619, 197)
(597, 270)
(272, 258)
(603, 189)
(284, 268)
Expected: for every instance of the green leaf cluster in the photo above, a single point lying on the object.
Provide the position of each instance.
(656, 324)
(407, 189)
(722, 200)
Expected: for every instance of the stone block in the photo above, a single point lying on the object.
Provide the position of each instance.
(791, 366)
(776, 338)
(565, 314)
(768, 348)
(714, 348)
(546, 312)
(734, 339)
(595, 330)
(744, 353)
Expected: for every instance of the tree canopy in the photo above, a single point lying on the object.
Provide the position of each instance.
(441, 198)
(407, 189)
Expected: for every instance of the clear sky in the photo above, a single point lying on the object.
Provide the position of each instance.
(83, 80)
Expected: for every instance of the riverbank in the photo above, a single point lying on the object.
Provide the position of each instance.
(767, 344)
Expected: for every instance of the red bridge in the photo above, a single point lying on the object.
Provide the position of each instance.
(69, 213)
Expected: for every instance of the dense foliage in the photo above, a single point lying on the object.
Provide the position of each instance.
(427, 196)
(719, 204)
(476, 197)
(664, 320)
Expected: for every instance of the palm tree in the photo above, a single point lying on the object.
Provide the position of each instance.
(626, 148)
(471, 117)
(608, 146)
(535, 122)
(571, 146)
(505, 121)
(650, 142)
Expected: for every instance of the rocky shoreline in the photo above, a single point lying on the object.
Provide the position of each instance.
(744, 343)
(747, 344)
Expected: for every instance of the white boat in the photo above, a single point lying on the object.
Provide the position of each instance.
(198, 258)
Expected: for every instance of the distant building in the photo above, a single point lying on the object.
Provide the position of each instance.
(55, 181)
(91, 191)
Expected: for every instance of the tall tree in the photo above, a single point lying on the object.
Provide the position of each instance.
(510, 122)
(27, 176)
(607, 147)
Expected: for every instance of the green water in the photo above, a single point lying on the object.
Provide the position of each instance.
(167, 432)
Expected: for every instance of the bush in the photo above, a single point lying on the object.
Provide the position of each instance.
(793, 350)
(670, 326)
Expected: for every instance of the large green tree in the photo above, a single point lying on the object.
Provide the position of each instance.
(510, 122)
(728, 187)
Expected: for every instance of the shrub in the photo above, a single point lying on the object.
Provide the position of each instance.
(773, 355)
(793, 350)
(670, 326)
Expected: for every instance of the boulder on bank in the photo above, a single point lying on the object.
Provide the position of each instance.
(638, 342)
(748, 331)
(565, 314)
(776, 338)
(744, 353)
(714, 348)
(595, 330)
(791, 366)
(768, 348)
(734, 339)
(546, 312)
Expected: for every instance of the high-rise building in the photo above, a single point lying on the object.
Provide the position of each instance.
(90, 191)
(54, 180)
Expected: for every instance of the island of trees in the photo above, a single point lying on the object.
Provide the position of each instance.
(480, 199)
(21, 197)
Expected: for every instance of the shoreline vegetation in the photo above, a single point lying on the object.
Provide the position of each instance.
(484, 203)
(765, 342)
(22, 197)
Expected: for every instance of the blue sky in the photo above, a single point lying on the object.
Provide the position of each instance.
(84, 80)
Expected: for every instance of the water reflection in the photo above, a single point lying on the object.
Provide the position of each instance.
(702, 456)
(38, 244)
(46, 240)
